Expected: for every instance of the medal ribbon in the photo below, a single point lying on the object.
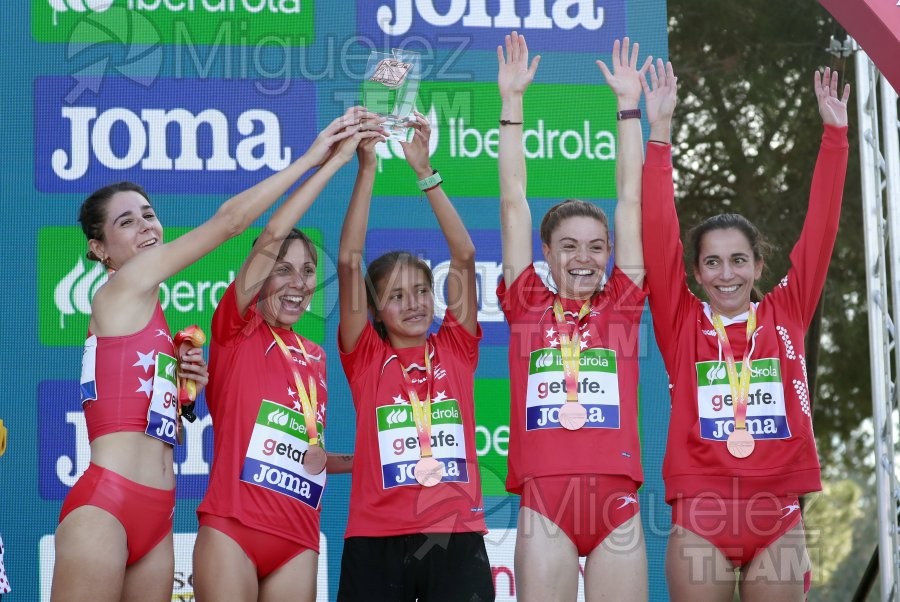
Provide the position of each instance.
(308, 401)
(739, 384)
(421, 408)
(570, 346)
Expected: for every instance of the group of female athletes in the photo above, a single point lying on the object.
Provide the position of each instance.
(740, 442)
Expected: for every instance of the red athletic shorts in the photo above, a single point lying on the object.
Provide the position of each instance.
(740, 529)
(586, 507)
(267, 552)
(144, 512)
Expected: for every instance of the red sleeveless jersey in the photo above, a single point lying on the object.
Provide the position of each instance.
(117, 377)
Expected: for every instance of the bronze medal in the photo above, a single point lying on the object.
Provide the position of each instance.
(428, 471)
(314, 459)
(740, 443)
(572, 415)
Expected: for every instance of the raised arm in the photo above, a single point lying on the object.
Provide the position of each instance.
(351, 282)
(663, 252)
(356, 124)
(832, 107)
(625, 81)
(462, 298)
(513, 78)
(660, 96)
(811, 255)
(137, 281)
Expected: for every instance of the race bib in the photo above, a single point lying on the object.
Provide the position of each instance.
(598, 388)
(398, 443)
(89, 370)
(162, 413)
(766, 414)
(275, 455)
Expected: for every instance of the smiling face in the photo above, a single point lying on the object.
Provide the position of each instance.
(130, 227)
(288, 290)
(405, 305)
(577, 254)
(727, 270)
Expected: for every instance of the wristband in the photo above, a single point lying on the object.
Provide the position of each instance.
(628, 114)
(430, 182)
(508, 122)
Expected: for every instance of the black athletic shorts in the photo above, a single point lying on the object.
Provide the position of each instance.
(428, 567)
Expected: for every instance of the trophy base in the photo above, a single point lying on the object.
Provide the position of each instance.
(397, 128)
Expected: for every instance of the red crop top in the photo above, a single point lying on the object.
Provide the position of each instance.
(117, 377)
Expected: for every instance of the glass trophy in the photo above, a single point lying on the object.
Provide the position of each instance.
(390, 88)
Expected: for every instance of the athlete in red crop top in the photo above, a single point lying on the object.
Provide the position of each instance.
(114, 539)
(740, 446)
(574, 452)
(267, 398)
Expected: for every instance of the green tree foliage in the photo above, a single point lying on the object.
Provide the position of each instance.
(747, 132)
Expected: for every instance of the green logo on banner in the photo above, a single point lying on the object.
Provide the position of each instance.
(492, 433)
(67, 283)
(181, 22)
(569, 139)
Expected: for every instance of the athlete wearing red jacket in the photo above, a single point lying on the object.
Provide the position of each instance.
(742, 510)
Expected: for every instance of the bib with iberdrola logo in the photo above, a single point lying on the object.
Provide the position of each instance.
(275, 455)
(597, 385)
(766, 413)
(398, 443)
(162, 413)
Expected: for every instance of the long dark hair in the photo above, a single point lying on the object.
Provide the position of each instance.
(379, 270)
(731, 221)
(92, 214)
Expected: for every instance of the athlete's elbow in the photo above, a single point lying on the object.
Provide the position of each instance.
(231, 220)
(464, 253)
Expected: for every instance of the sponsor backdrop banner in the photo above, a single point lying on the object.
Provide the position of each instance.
(199, 99)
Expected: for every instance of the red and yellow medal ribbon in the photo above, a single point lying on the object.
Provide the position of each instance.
(421, 409)
(739, 384)
(570, 346)
(307, 400)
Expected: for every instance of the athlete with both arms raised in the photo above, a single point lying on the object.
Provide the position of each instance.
(416, 524)
(574, 451)
(741, 447)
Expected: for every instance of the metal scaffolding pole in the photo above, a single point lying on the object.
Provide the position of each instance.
(892, 194)
(880, 175)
